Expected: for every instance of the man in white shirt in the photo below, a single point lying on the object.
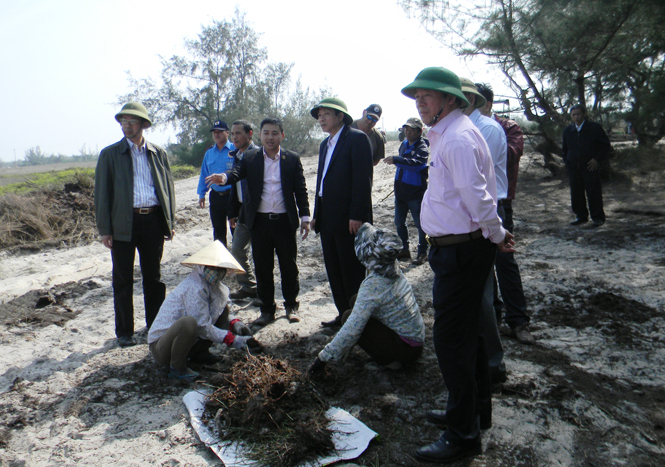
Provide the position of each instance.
(495, 138)
(277, 205)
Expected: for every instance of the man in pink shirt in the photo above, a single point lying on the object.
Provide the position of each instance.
(459, 216)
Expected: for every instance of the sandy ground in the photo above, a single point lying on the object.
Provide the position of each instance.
(591, 392)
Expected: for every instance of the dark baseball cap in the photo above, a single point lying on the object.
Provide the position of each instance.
(220, 125)
(374, 109)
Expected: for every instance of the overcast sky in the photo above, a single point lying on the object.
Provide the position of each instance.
(64, 62)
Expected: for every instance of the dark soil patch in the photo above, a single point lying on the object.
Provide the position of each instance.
(613, 315)
(45, 307)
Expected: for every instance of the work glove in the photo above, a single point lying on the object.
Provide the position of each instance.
(317, 367)
(241, 342)
(240, 329)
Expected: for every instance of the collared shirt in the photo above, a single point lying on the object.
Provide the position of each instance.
(580, 126)
(144, 187)
(215, 161)
(496, 141)
(332, 142)
(272, 198)
(461, 195)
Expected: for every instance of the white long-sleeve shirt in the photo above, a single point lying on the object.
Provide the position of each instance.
(197, 298)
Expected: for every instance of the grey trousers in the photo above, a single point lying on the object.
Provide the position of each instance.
(240, 249)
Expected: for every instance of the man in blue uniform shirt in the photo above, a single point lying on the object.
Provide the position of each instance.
(217, 160)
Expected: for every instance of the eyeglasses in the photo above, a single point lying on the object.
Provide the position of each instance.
(372, 118)
(129, 121)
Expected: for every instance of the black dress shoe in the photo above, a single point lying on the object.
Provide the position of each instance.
(579, 221)
(337, 322)
(438, 418)
(264, 319)
(421, 259)
(241, 294)
(445, 452)
(598, 222)
(126, 341)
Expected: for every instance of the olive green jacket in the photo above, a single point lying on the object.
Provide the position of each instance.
(114, 189)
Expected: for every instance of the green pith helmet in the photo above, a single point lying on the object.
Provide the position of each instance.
(439, 79)
(135, 109)
(470, 87)
(333, 103)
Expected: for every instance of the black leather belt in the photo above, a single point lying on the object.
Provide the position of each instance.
(145, 210)
(505, 202)
(273, 216)
(453, 239)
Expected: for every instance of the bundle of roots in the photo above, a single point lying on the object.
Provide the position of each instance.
(271, 409)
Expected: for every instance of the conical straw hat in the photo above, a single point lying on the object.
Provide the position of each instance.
(215, 255)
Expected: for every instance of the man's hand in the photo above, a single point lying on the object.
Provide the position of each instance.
(354, 226)
(216, 179)
(389, 160)
(202, 202)
(304, 227)
(233, 222)
(107, 240)
(311, 224)
(592, 165)
(507, 245)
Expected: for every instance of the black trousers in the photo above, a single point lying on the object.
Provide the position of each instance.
(270, 236)
(460, 273)
(510, 280)
(219, 212)
(345, 271)
(148, 239)
(585, 186)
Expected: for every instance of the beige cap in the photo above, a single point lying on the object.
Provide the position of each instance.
(470, 87)
(414, 122)
(215, 255)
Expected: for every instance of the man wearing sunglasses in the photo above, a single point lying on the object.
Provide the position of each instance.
(366, 124)
(134, 208)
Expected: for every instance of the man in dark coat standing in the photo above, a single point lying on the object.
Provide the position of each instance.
(276, 205)
(585, 147)
(134, 208)
(343, 199)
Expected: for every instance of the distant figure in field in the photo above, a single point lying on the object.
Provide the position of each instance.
(585, 146)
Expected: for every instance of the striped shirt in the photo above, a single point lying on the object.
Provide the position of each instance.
(144, 187)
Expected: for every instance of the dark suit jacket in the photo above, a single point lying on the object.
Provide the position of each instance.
(347, 188)
(235, 206)
(251, 167)
(579, 147)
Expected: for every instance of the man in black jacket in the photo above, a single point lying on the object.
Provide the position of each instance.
(585, 147)
(277, 197)
(343, 199)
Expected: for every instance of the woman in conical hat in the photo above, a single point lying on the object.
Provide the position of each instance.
(196, 314)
